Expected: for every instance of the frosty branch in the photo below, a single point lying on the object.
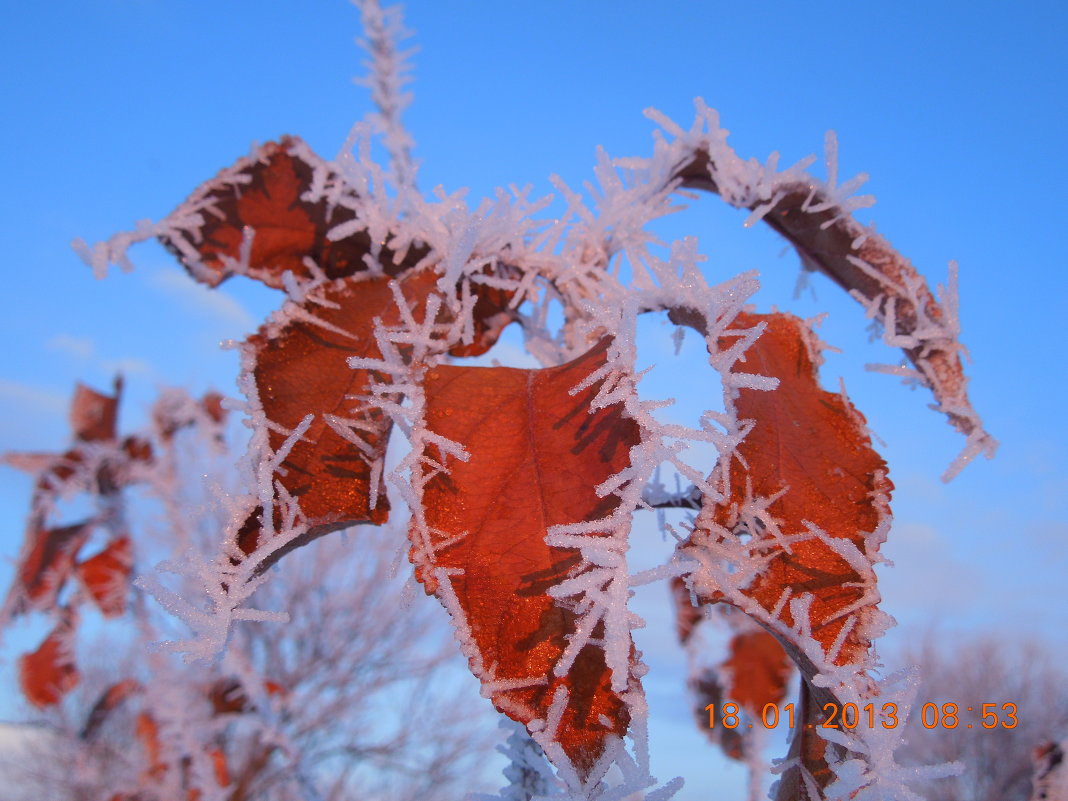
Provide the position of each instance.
(522, 483)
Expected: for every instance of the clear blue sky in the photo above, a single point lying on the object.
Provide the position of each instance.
(116, 109)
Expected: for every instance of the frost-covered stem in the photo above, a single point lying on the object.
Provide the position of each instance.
(384, 29)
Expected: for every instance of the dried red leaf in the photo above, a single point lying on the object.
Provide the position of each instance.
(757, 671)
(301, 367)
(810, 450)
(148, 733)
(93, 415)
(813, 447)
(212, 403)
(227, 696)
(47, 564)
(106, 703)
(49, 673)
(107, 575)
(137, 449)
(222, 769)
(536, 455)
(93, 418)
(830, 240)
(707, 690)
(288, 200)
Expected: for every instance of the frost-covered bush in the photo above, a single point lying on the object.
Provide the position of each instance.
(331, 706)
(522, 484)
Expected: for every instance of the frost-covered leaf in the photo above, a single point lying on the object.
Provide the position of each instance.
(212, 404)
(809, 490)
(536, 454)
(176, 410)
(220, 766)
(299, 366)
(269, 213)
(106, 576)
(49, 673)
(147, 730)
(88, 464)
(817, 220)
(98, 464)
(227, 696)
(137, 449)
(46, 564)
(807, 502)
(93, 415)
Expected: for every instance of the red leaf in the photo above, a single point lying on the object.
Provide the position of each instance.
(212, 403)
(222, 769)
(148, 734)
(536, 455)
(301, 367)
(829, 239)
(812, 446)
(49, 673)
(93, 418)
(137, 449)
(49, 562)
(707, 689)
(108, 701)
(288, 200)
(106, 576)
(227, 696)
(755, 673)
(93, 415)
(811, 449)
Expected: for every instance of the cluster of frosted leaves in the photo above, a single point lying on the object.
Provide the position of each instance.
(56, 577)
(163, 761)
(816, 218)
(275, 217)
(522, 483)
(53, 575)
(324, 380)
(791, 538)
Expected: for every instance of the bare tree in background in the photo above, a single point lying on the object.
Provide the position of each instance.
(358, 698)
(376, 697)
(990, 669)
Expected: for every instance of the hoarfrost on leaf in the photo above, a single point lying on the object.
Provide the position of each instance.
(522, 484)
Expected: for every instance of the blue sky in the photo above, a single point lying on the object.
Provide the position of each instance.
(117, 109)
